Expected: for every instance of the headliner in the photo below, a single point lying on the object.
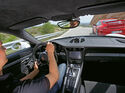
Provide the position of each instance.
(19, 14)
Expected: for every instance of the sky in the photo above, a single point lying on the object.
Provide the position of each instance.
(86, 18)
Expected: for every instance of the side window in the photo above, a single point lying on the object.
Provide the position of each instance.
(98, 23)
(12, 43)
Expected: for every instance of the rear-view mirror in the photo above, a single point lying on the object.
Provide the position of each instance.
(68, 24)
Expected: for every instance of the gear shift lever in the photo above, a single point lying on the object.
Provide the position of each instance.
(71, 72)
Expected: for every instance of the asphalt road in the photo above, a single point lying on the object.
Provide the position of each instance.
(79, 31)
(91, 86)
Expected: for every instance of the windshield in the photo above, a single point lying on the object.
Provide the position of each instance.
(90, 25)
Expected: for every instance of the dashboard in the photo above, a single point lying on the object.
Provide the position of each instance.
(101, 49)
(81, 42)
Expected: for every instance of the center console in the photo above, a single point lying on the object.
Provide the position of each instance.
(74, 70)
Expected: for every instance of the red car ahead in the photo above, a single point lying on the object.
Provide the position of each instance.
(109, 26)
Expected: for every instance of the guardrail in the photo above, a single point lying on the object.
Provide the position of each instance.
(9, 44)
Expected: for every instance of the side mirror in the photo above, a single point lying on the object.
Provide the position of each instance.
(68, 24)
(20, 45)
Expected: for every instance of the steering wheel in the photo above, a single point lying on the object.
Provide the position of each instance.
(39, 48)
(38, 53)
(27, 65)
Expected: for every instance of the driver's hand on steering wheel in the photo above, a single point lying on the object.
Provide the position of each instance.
(32, 74)
(36, 66)
(50, 48)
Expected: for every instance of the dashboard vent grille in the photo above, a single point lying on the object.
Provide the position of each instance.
(77, 40)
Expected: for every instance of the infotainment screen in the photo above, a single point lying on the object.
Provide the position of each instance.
(76, 55)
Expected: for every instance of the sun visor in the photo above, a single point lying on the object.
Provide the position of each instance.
(103, 8)
(28, 23)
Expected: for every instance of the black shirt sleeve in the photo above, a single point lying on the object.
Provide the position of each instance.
(5, 79)
(5, 83)
(40, 85)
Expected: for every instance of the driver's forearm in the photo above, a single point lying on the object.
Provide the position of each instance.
(1, 73)
(30, 75)
(53, 65)
(53, 75)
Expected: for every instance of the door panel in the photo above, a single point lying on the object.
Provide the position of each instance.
(14, 61)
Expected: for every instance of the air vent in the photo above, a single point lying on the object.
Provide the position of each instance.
(77, 40)
(82, 40)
